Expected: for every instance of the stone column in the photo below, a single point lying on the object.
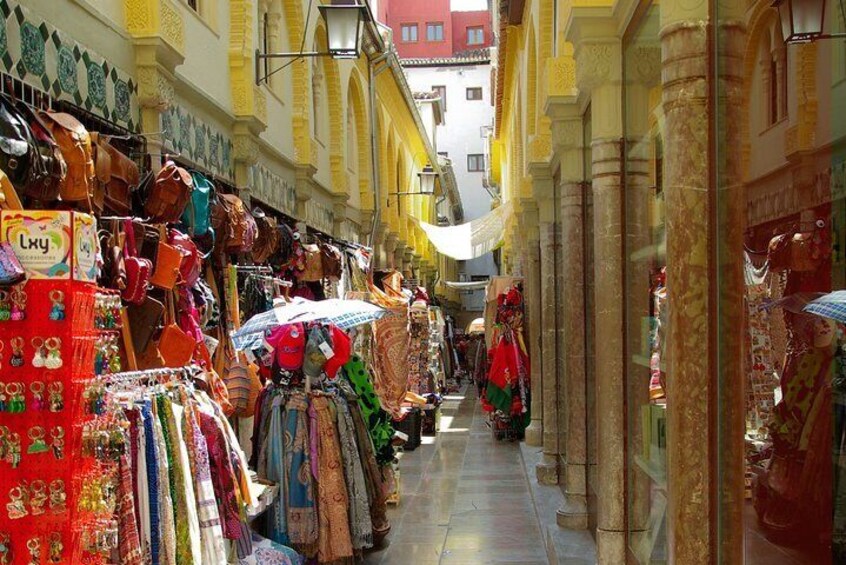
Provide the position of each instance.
(567, 136)
(529, 226)
(704, 285)
(391, 241)
(547, 469)
(399, 257)
(599, 72)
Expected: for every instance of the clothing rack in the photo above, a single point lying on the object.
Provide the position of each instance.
(186, 373)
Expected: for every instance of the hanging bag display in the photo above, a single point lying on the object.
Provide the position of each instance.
(144, 319)
(138, 269)
(176, 346)
(17, 147)
(117, 175)
(192, 261)
(268, 239)
(169, 194)
(313, 264)
(331, 261)
(166, 273)
(197, 215)
(75, 142)
(49, 167)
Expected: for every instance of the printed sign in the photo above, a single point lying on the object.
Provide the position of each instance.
(41, 240)
(86, 248)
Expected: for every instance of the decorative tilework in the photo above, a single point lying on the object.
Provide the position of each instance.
(273, 190)
(40, 55)
(197, 142)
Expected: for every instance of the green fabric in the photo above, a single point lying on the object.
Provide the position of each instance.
(378, 421)
(177, 483)
(498, 397)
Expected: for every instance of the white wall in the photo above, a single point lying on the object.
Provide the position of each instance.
(460, 136)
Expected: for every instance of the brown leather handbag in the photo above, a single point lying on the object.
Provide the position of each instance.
(117, 175)
(313, 264)
(269, 238)
(166, 275)
(75, 143)
(169, 194)
(331, 259)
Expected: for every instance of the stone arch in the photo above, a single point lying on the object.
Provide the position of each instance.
(356, 104)
(334, 103)
(531, 83)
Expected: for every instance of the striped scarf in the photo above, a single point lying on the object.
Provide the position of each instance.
(360, 525)
(302, 513)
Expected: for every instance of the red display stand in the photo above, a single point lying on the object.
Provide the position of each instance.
(46, 524)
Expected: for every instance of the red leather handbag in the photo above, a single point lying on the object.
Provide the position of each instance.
(138, 269)
(192, 261)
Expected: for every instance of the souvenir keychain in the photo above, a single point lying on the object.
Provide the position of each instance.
(57, 312)
(56, 547)
(58, 498)
(13, 450)
(38, 497)
(4, 442)
(4, 399)
(34, 547)
(16, 404)
(37, 390)
(53, 360)
(17, 344)
(5, 308)
(5, 549)
(18, 311)
(37, 444)
(17, 507)
(38, 356)
(58, 435)
(56, 400)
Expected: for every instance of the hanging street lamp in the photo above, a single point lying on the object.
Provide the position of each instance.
(344, 24)
(802, 21)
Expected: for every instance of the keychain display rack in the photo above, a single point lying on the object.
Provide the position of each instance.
(47, 343)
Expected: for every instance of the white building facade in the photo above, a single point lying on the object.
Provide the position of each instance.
(464, 83)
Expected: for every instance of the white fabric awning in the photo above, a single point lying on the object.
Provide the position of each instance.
(468, 285)
(473, 239)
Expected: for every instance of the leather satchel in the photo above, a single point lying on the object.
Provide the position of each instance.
(235, 227)
(17, 147)
(144, 320)
(197, 216)
(268, 240)
(313, 264)
(169, 194)
(138, 269)
(166, 274)
(330, 257)
(75, 142)
(49, 168)
(117, 175)
(192, 261)
(176, 346)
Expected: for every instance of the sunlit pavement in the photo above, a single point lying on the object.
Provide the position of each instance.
(465, 498)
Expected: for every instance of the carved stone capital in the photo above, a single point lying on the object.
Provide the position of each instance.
(245, 148)
(643, 64)
(567, 134)
(597, 63)
(155, 88)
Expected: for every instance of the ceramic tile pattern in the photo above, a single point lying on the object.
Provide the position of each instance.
(465, 499)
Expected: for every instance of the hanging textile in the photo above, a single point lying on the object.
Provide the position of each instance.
(378, 421)
(473, 239)
(361, 527)
(302, 513)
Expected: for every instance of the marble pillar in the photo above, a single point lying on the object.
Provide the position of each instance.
(529, 223)
(547, 469)
(567, 136)
(599, 72)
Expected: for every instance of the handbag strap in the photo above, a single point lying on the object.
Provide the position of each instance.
(130, 238)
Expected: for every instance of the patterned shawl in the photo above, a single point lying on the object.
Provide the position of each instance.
(129, 545)
(360, 525)
(168, 524)
(302, 514)
(277, 529)
(378, 421)
(176, 478)
(391, 360)
(334, 541)
(372, 475)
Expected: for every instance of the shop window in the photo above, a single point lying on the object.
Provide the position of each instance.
(475, 163)
(475, 35)
(409, 33)
(441, 91)
(474, 93)
(434, 31)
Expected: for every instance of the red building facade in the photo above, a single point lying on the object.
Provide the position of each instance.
(428, 29)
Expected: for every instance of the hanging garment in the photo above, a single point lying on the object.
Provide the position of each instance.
(222, 475)
(372, 475)
(361, 527)
(302, 514)
(391, 360)
(192, 518)
(277, 529)
(167, 553)
(151, 478)
(177, 481)
(378, 421)
(129, 544)
(334, 541)
(211, 533)
(268, 552)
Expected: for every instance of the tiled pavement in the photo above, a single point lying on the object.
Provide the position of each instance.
(465, 498)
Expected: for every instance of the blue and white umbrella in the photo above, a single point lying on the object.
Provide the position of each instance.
(831, 305)
(345, 314)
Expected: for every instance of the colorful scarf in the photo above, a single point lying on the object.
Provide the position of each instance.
(151, 478)
(334, 541)
(378, 421)
(361, 527)
(372, 475)
(391, 360)
(192, 517)
(168, 546)
(129, 544)
(177, 482)
(277, 529)
(302, 514)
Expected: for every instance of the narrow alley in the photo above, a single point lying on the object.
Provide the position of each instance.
(465, 498)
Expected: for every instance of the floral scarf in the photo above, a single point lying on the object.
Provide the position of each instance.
(302, 513)
(176, 477)
(372, 475)
(129, 546)
(360, 524)
(334, 541)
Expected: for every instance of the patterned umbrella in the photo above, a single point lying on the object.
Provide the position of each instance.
(831, 305)
(343, 313)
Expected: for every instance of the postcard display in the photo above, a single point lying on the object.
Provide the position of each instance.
(55, 504)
